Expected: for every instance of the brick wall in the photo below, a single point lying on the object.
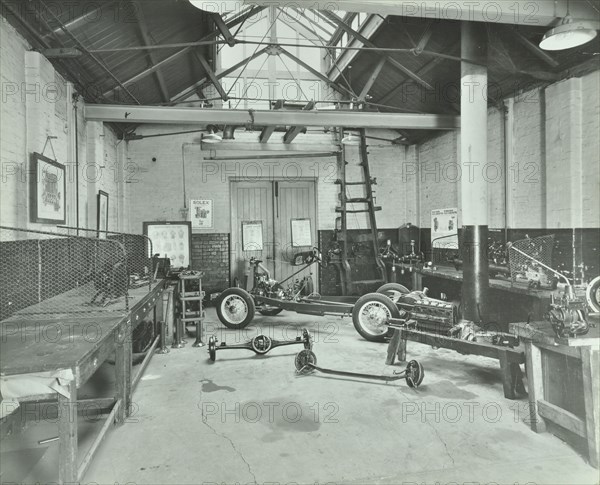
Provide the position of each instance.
(37, 103)
(210, 253)
(553, 154)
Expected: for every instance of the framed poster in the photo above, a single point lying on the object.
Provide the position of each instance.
(444, 228)
(202, 213)
(172, 240)
(301, 233)
(102, 214)
(252, 236)
(47, 190)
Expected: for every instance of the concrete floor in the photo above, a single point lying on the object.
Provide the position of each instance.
(250, 419)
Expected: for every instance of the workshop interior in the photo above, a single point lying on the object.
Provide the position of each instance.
(299, 242)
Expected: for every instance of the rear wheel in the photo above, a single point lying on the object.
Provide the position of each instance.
(393, 291)
(371, 314)
(235, 308)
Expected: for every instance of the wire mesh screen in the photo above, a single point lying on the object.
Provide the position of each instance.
(137, 248)
(45, 273)
(524, 269)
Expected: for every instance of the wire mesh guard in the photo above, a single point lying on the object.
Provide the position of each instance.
(524, 258)
(46, 273)
(138, 249)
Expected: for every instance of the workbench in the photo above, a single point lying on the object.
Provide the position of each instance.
(562, 376)
(76, 344)
(510, 358)
(524, 300)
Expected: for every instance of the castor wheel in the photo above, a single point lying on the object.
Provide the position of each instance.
(414, 374)
(303, 359)
(212, 348)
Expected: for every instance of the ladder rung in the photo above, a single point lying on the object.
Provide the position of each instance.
(339, 182)
(358, 200)
(339, 209)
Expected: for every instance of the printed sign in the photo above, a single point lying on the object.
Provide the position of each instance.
(201, 211)
(444, 228)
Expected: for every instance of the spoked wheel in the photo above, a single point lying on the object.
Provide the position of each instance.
(393, 291)
(270, 311)
(592, 294)
(303, 358)
(235, 308)
(212, 348)
(371, 314)
(414, 374)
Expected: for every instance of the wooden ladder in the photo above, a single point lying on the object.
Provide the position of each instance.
(348, 285)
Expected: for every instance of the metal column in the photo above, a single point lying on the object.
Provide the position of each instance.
(473, 159)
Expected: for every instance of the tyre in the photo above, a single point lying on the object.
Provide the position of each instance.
(393, 290)
(370, 315)
(270, 311)
(235, 308)
(592, 294)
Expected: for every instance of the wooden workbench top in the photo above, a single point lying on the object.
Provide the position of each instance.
(453, 274)
(31, 342)
(542, 332)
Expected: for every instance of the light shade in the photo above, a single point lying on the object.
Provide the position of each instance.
(351, 140)
(212, 138)
(567, 35)
(219, 6)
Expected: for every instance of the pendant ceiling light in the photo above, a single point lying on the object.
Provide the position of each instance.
(221, 6)
(351, 140)
(212, 137)
(568, 34)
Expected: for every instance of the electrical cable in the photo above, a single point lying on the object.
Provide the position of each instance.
(294, 79)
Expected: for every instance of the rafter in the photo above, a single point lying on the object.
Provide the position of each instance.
(531, 47)
(205, 81)
(211, 75)
(318, 74)
(337, 35)
(210, 36)
(143, 27)
(305, 31)
(395, 63)
(222, 27)
(372, 79)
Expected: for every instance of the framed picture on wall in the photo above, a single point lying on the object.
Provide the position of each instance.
(102, 214)
(47, 190)
(172, 240)
(202, 213)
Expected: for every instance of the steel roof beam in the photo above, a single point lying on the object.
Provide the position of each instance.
(395, 63)
(316, 73)
(205, 81)
(372, 79)
(211, 75)
(267, 131)
(223, 29)
(210, 36)
(531, 47)
(143, 27)
(259, 118)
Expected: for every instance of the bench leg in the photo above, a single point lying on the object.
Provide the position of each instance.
(67, 430)
(393, 346)
(535, 383)
(512, 378)
(589, 366)
(402, 347)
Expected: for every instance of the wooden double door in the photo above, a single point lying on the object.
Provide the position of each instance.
(273, 221)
